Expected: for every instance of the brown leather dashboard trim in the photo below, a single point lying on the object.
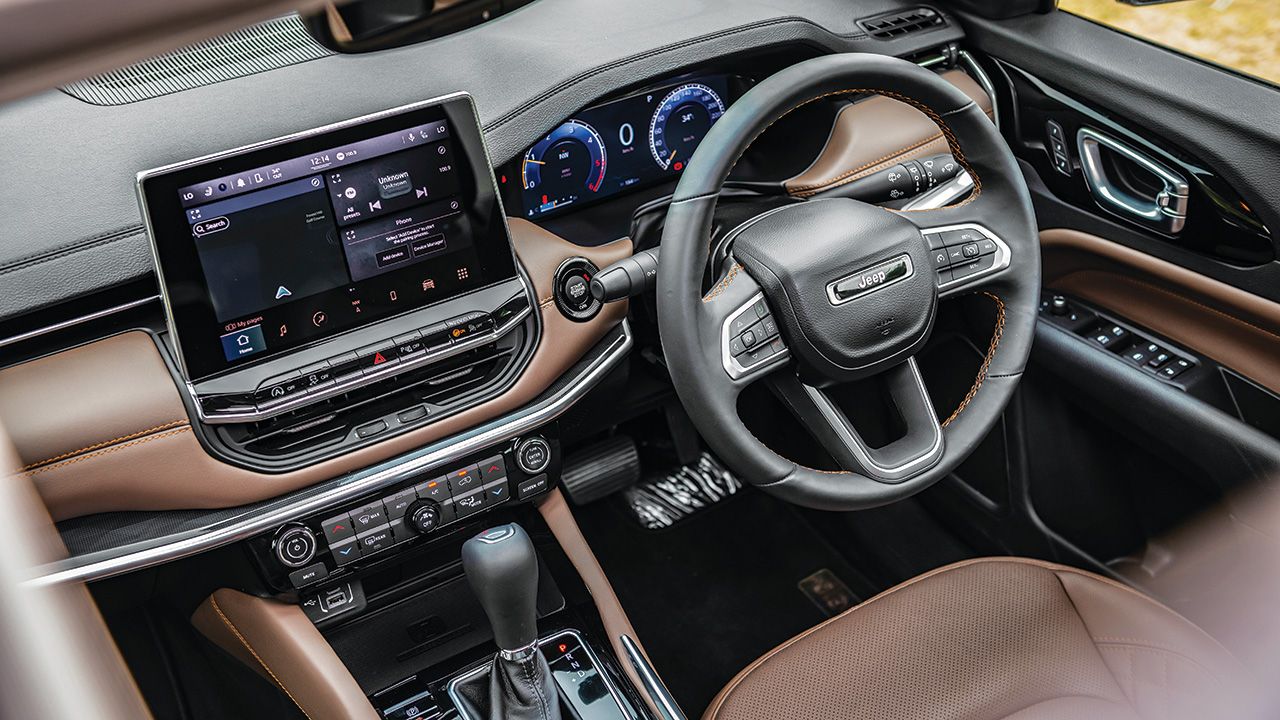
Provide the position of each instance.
(555, 511)
(278, 641)
(101, 427)
(1234, 327)
(877, 133)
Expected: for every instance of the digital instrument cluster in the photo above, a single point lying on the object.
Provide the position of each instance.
(620, 145)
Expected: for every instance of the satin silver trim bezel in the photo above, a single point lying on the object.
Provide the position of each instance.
(735, 369)
(475, 440)
(896, 473)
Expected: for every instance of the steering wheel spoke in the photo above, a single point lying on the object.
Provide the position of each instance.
(918, 449)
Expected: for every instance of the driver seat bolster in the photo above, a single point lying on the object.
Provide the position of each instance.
(993, 638)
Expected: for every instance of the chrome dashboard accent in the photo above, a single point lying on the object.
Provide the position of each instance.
(662, 699)
(80, 320)
(943, 195)
(380, 476)
(972, 67)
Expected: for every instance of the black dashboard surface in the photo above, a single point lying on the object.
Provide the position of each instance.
(71, 222)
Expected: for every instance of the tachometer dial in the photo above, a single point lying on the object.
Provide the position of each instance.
(565, 164)
(680, 122)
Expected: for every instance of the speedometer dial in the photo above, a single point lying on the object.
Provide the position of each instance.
(680, 122)
(564, 165)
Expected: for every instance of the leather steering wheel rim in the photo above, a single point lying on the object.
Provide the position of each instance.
(693, 326)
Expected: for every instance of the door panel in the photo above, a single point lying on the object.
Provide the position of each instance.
(1104, 455)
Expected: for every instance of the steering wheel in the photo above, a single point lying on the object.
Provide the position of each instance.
(830, 291)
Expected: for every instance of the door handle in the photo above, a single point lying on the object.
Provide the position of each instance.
(1164, 209)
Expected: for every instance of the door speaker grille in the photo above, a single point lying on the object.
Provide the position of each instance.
(266, 46)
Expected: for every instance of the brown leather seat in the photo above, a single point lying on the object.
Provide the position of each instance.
(992, 638)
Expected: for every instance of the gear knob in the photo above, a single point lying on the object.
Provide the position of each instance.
(502, 568)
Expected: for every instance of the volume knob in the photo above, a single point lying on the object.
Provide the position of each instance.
(294, 546)
(423, 516)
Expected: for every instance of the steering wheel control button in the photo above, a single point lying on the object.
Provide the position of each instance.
(533, 455)
(531, 487)
(294, 546)
(973, 267)
(748, 339)
(308, 575)
(337, 528)
(965, 252)
(753, 338)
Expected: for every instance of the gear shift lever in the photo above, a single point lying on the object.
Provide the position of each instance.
(503, 571)
(502, 568)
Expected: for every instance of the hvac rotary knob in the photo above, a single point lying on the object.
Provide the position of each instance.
(423, 516)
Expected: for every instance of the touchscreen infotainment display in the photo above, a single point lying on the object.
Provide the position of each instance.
(271, 248)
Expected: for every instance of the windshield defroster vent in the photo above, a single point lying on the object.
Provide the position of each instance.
(896, 24)
(257, 48)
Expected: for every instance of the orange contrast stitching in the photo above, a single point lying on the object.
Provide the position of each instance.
(986, 362)
(108, 451)
(723, 284)
(105, 443)
(230, 626)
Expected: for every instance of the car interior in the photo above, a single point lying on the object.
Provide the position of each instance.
(586, 360)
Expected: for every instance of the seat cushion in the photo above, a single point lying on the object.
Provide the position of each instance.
(991, 638)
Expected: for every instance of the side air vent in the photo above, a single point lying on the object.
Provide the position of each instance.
(896, 24)
(257, 48)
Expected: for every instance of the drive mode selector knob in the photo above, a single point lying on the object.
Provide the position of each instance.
(423, 516)
(294, 546)
(533, 455)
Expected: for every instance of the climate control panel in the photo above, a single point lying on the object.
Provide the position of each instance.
(307, 553)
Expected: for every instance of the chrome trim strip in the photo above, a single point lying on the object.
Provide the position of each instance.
(452, 687)
(14, 339)
(1166, 213)
(855, 445)
(470, 441)
(306, 398)
(662, 699)
(835, 299)
(971, 66)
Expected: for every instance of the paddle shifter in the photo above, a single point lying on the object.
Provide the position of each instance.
(503, 571)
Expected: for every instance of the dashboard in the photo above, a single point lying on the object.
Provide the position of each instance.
(619, 146)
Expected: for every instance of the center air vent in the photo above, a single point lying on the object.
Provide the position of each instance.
(896, 24)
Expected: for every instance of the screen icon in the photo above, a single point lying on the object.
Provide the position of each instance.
(319, 318)
(243, 343)
(282, 292)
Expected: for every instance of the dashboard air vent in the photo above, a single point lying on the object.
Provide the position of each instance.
(899, 23)
(257, 48)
